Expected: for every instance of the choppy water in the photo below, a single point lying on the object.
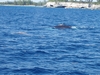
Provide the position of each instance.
(30, 46)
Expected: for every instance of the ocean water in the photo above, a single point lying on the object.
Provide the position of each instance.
(29, 45)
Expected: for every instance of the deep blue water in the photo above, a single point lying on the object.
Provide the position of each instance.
(30, 46)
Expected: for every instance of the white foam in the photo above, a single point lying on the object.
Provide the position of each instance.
(74, 27)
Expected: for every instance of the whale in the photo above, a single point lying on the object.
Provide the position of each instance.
(62, 26)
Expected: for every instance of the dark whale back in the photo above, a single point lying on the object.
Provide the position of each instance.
(61, 26)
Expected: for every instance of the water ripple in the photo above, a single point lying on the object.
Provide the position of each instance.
(30, 46)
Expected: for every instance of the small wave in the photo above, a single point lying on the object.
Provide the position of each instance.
(6, 34)
(94, 65)
(22, 54)
(26, 71)
(36, 70)
(98, 64)
(41, 52)
(4, 69)
(65, 57)
(72, 73)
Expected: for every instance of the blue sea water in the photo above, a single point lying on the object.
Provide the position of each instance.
(29, 45)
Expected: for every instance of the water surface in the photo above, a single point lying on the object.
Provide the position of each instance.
(30, 46)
